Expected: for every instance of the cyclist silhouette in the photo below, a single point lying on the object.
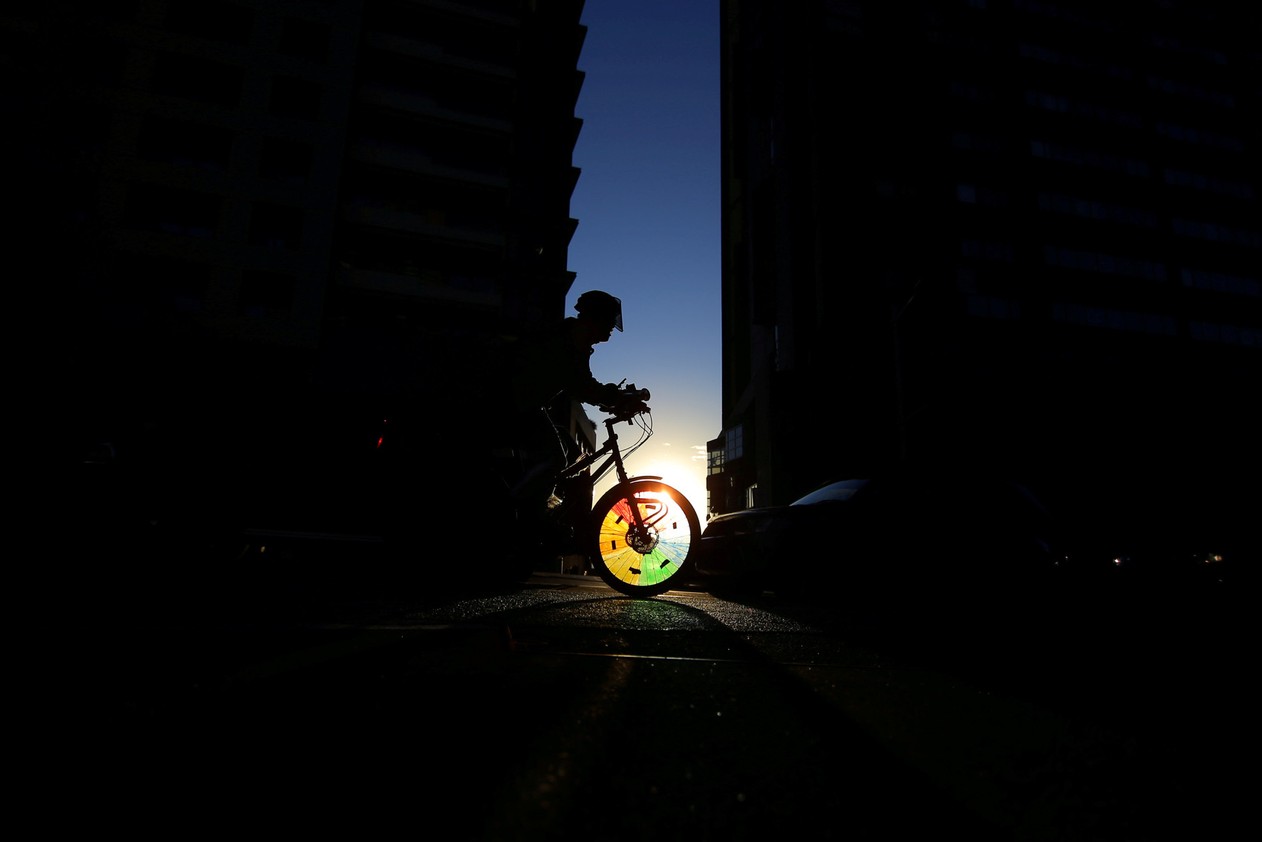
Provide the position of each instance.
(550, 369)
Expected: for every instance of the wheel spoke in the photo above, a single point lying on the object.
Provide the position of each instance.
(643, 560)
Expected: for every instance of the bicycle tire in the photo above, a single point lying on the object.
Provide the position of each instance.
(661, 557)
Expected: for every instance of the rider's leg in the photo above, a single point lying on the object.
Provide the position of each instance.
(541, 534)
(543, 457)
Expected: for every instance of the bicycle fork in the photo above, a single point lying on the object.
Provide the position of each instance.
(642, 516)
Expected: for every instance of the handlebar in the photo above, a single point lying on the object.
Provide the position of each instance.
(629, 403)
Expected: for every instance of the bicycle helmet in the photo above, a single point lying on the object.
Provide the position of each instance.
(601, 306)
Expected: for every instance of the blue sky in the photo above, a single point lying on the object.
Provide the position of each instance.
(648, 211)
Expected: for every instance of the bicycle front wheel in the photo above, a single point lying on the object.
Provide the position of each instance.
(651, 552)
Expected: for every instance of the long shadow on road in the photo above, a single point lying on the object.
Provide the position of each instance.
(532, 712)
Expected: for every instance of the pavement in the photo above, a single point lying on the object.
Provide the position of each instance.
(338, 704)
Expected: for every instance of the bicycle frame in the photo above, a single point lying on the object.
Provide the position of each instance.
(637, 534)
(614, 458)
(612, 455)
(642, 529)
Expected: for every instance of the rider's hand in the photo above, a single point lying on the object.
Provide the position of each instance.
(627, 399)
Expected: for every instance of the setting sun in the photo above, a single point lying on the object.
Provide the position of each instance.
(685, 475)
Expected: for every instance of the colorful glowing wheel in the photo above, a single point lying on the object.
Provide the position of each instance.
(644, 533)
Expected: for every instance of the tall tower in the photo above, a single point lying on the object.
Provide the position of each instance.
(992, 235)
(250, 202)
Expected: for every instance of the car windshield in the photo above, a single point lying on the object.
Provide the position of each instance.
(834, 491)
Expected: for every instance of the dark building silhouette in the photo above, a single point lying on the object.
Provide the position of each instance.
(246, 200)
(1021, 236)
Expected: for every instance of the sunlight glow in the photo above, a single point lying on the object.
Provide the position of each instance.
(688, 477)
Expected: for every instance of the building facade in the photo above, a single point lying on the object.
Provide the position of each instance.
(1004, 235)
(239, 200)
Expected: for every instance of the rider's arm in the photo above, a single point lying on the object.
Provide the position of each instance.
(584, 386)
(595, 393)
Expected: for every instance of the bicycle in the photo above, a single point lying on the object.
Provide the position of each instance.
(459, 514)
(640, 534)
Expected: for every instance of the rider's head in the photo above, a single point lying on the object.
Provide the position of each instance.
(600, 308)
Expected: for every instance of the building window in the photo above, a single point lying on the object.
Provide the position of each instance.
(1100, 211)
(735, 444)
(1218, 282)
(1226, 334)
(1197, 137)
(971, 92)
(992, 307)
(1216, 233)
(715, 460)
(1176, 88)
(1112, 319)
(1105, 264)
(976, 142)
(1064, 105)
(1088, 158)
(1177, 45)
(1207, 183)
(971, 194)
(986, 250)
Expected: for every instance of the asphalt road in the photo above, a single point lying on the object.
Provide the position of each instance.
(558, 709)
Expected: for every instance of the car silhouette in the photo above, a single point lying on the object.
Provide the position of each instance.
(903, 539)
